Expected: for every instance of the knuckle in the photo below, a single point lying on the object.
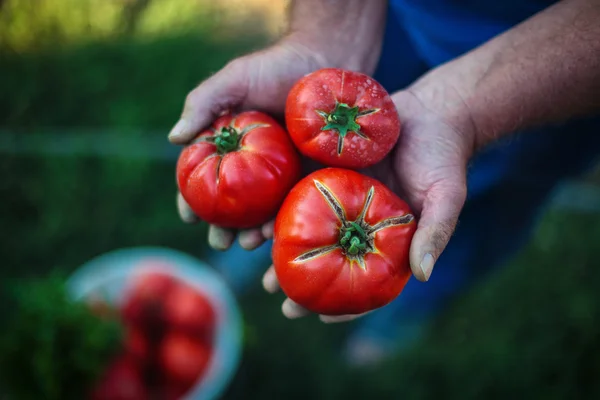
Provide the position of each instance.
(191, 98)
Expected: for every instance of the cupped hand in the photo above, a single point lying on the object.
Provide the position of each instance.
(427, 169)
(258, 81)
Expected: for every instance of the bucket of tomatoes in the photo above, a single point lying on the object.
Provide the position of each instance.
(181, 325)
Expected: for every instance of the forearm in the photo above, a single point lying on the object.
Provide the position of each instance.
(545, 70)
(348, 33)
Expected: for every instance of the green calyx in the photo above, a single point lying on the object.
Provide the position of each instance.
(354, 239)
(342, 119)
(228, 139)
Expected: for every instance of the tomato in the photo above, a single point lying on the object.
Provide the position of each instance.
(237, 173)
(341, 243)
(342, 118)
(173, 392)
(136, 344)
(143, 300)
(188, 310)
(183, 359)
(121, 381)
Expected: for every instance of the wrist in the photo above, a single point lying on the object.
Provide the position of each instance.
(344, 34)
(440, 93)
(336, 51)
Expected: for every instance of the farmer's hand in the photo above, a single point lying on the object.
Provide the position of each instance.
(519, 79)
(427, 169)
(338, 33)
(522, 78)
(257, 81)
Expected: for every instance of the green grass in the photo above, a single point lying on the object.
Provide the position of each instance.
(125, 83)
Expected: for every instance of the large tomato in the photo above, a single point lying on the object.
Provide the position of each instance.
(342, 118)
(237, 173)
(121, 381)
(143, 300)
(137, 344)
(183, 360)
(188, 310)
(341, 243)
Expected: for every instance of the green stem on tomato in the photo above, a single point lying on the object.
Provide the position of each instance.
(227, 140)
(342, 119)
(354, 239)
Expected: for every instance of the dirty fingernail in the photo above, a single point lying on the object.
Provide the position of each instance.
(427, 265)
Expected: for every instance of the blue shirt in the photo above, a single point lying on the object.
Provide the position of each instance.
(444, 29)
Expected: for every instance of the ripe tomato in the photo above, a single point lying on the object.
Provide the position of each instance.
(237, 173)
(137, 345)
(342, 118)
(121, 381)
(183, 360)
(173, 392)
(341, 243)
(143, 300)
(188, 310)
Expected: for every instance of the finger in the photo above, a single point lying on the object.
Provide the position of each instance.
(251, 238)
(292, 310)
(186, 214)
(269, 280)
(437, 222)
(221, 92)
(334, 319)
(220, 238)
(268, 229)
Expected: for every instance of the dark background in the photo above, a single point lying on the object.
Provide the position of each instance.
(88, 92)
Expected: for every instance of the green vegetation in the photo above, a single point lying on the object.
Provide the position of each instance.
(54, 348)
(531, 331)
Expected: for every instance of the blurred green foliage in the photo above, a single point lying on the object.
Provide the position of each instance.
(126, 82)
(531, 331)
(70, 344)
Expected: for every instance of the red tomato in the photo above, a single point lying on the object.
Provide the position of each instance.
(186, 309)
(121, 381)
(341, 243)
(143, 301)
(342, 118)
(183, 359)
(136, 344)
(237, 173)
(173, 392)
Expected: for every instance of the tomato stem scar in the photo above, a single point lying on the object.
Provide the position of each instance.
(354, 238)
(357, 238)
(227, 139)
(343, 119)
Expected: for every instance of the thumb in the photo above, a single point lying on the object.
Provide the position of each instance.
(437, 222)
(218, 94)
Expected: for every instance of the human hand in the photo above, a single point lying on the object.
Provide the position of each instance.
(427, 168)
(259, 81)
